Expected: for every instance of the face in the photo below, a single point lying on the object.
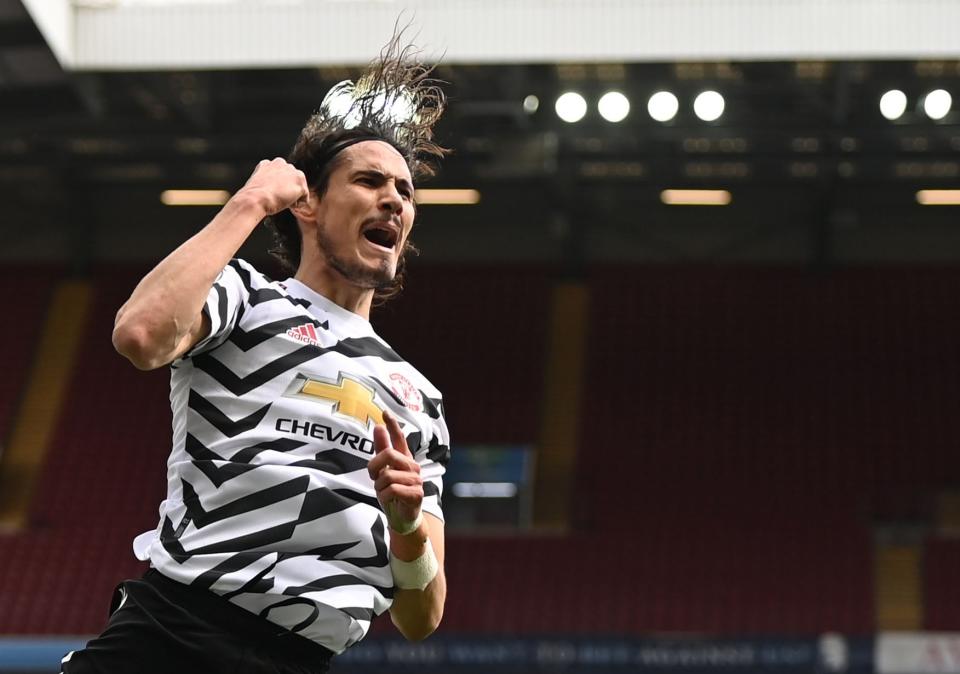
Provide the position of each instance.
(366, 214)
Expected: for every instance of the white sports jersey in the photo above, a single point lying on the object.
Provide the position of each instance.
(268, 499)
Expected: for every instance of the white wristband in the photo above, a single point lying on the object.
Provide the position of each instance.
(417, 574)
(400, 526)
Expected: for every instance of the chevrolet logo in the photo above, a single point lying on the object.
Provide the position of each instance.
(351, 398)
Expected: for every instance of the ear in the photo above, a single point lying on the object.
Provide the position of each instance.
(305, 210)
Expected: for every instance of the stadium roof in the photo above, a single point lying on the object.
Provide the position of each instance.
(107, 104)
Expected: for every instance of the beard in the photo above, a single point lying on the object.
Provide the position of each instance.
(355, 271)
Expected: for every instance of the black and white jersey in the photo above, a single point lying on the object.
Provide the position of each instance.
(268, 499)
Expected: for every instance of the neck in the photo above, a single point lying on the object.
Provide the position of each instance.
(331, 284)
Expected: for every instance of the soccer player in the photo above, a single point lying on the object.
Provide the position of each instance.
(304, 480)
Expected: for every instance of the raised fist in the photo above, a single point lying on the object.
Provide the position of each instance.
(275, 185)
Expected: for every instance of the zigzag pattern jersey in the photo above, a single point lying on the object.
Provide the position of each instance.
(268, 499)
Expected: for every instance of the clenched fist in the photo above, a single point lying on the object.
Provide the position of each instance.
(275, 185)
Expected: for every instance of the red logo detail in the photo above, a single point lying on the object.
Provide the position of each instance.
(406, 392)
(305, 333)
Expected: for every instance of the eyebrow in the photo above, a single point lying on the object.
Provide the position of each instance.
(376, 173)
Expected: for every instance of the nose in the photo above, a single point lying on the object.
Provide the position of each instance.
(390, 199)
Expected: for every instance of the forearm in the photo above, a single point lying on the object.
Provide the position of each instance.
(152, 327)
(417, 613)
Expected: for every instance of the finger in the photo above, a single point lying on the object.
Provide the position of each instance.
(381, 439)
(409, 496)
(390, 477)
(391, 458)
(396, 434)
(301, 180)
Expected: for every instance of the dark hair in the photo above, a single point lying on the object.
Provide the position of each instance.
(369, 115)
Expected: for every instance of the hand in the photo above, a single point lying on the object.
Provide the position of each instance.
(395, 474)
(275, 185)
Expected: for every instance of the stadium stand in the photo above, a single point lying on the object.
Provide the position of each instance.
(815, 390)
(742, 428)
(27, 306)
(478, 332)
(942, 584)
(100, 486)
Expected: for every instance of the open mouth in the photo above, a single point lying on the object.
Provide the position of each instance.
(382, 234)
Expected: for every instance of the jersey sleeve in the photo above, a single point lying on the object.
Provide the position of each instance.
(433, 461)
(224, 306)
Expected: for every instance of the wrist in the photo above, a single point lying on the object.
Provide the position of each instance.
(415, 574)
(399, 526)
(250, 203)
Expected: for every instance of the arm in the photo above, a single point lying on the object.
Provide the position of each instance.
(417, 613)
(162, 319)
(396, 475)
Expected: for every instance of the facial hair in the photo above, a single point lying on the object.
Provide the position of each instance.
(355, 271)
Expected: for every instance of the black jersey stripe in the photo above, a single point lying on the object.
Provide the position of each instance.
(431, 406)
(294, 601)
(218, 474)
(240, 386)
(337, 580)
(321, 502)
(220, 470)
(171, 541)
(280, 445)
(217, 469)
(329, 552)
(245, 504)
(358, 497)
(379, 558)
(436, 451)
(241, 560)
(358, 612)
(414, 440)
(358, 347)
(260, 295)
(222, 306)
(261, 583)
(221, 421)
(257, 539)
(334, 462)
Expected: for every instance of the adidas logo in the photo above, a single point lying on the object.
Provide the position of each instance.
(306, 333)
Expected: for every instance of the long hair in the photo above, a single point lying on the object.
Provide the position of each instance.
(395, 101)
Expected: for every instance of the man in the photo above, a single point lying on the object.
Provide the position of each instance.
(304, 481)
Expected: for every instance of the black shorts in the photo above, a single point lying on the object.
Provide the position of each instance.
(159, 626)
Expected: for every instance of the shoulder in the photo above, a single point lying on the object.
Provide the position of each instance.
(245, 273)
(257, 286)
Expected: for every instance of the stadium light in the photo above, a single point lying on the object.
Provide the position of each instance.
(614, 106)
(484, 489)
(938, 197)
(937, 104)
(663, 106)
(709, 106)
(696, 197)
(194, 197)
(447, 197)
(893, 104)
(571, 107)
(531, 104)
